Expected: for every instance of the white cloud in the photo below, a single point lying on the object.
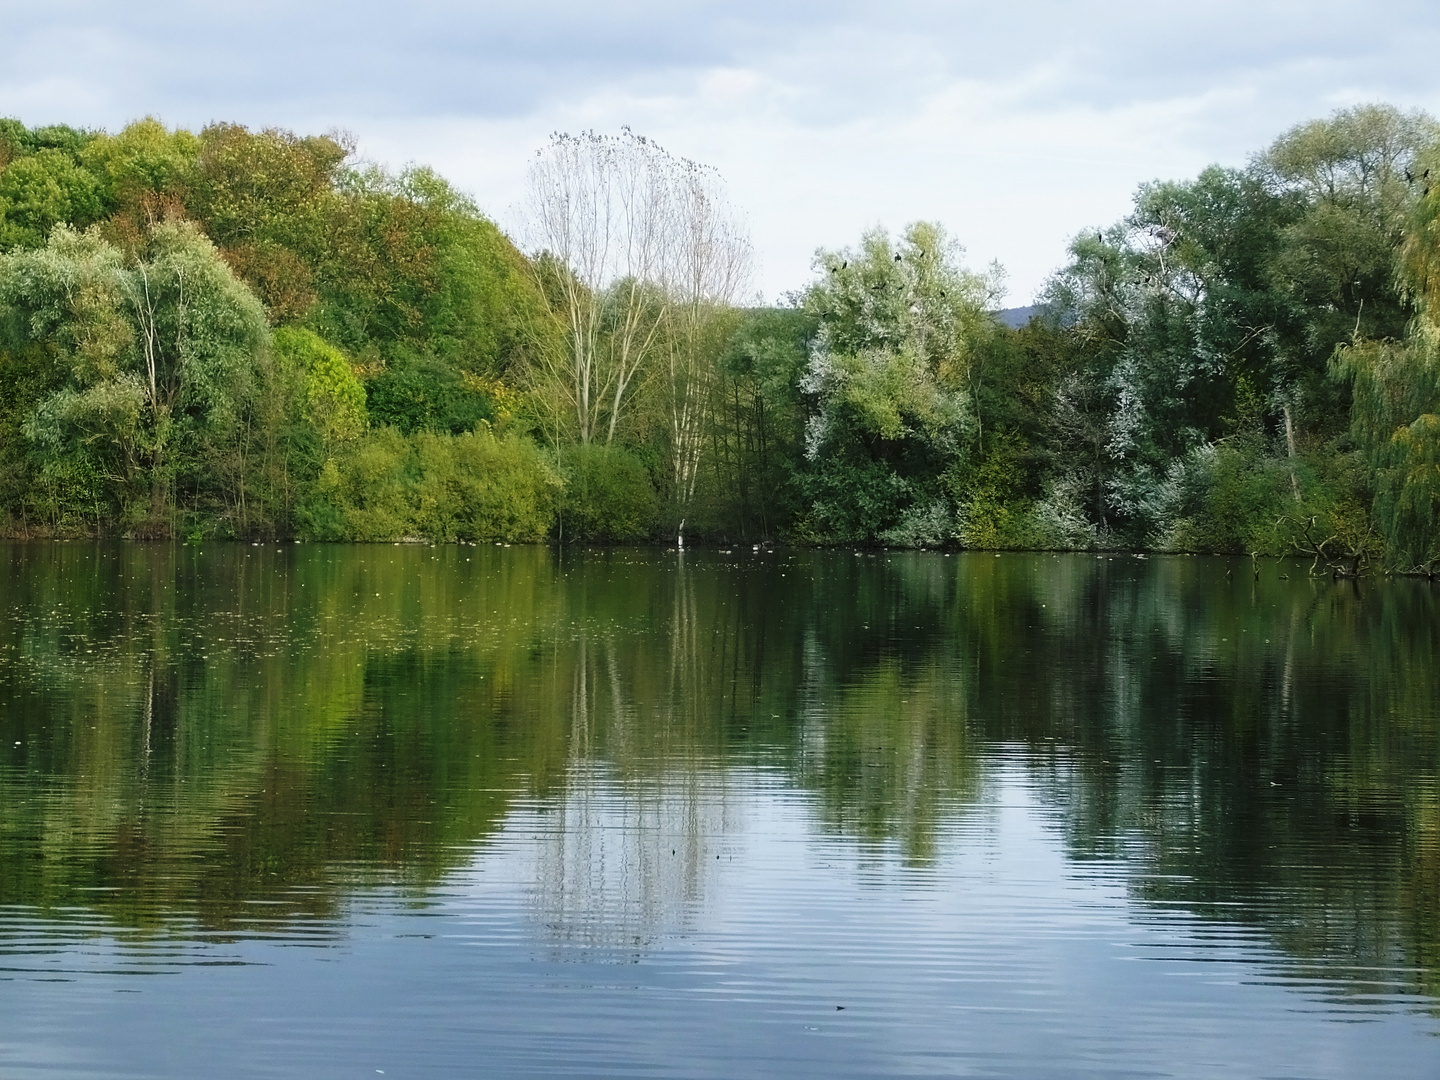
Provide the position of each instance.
(1016, 125)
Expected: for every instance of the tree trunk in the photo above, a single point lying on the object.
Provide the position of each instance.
(1290, 450)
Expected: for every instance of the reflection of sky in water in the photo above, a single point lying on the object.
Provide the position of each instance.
(505, 811)
(574, 942)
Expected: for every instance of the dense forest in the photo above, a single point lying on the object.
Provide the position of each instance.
(256, 335)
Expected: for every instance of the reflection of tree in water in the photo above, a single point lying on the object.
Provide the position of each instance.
(1256, 750)
(716, 670)
(229, 741)
(887, 749)
(622, 864)
(1260, 751)
(628, 842)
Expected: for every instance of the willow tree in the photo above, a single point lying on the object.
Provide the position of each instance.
(1395, 392)
(154, 356)
(890, 381)
(1354, 176)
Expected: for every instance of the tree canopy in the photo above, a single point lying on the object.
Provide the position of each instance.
(233, 332)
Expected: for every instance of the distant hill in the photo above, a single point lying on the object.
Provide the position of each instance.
(1016, 317)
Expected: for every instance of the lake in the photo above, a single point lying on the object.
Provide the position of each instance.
(313, 811)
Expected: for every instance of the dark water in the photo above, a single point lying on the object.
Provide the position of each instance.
(325, 812)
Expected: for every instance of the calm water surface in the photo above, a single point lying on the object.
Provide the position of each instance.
(308, 811)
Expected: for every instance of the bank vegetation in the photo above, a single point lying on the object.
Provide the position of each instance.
(252, 334)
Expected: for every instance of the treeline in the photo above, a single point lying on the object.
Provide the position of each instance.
(253, 334)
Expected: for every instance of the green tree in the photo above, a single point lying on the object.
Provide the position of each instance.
(1395, 397)
(1355, 174)
(64, 310)
(38, 192)
(1218, 304)
(268, 200)
(420, 393)
(750, 489)
(900, 325)
(143, 175)
(332, 399)
(158, 357)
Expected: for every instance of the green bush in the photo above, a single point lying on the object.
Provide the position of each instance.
(333, 401)
(608, 496)
(473, 486)
(479, 487)
(1227, 499)
(925, 526)
(993, 514)
(424, 394)
(360, 494)
(989, 522)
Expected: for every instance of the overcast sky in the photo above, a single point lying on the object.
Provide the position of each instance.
(1016, 125)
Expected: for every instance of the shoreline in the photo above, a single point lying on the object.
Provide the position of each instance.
(732, 547)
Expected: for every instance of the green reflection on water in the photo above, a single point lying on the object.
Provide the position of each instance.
(216, 739)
